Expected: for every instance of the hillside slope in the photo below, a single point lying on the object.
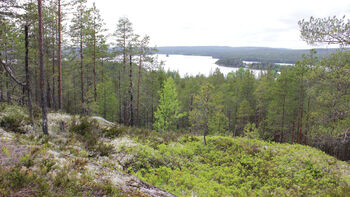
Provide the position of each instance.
(93, 157)
(261, 54)
(78, 162)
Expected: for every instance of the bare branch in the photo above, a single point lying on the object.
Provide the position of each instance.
(9, 71)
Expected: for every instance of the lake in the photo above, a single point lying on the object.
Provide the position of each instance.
(194, 65)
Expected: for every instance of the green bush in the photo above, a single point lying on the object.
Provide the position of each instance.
(89, 133)
(85, 127)
(112, 132)
(237, 167)
(104, 149)
(13, 121)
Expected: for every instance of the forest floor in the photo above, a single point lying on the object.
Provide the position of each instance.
(90, 156)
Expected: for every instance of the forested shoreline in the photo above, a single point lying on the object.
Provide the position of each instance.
(307, 103)
(258, 54)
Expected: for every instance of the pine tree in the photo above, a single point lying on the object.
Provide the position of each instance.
(207, 113)
(42, 71)
(124, 35)
(168, 111)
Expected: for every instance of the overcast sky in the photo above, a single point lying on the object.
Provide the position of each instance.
(269, 23)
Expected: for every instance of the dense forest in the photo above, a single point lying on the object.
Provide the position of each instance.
(237, 63)
(55, 57)
(307, 103)
(259, 54)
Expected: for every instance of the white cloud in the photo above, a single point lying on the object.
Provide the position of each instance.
(271, 23)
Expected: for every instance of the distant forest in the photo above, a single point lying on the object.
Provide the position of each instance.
(260, 54)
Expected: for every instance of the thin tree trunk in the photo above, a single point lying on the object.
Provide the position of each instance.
(292, 133)
(300, 116)
(1, 86)
(42, 72)
(293, 126)
(283, 115)
(94, 70)
(49, 94)
(119, 95)
(8, 92)
(28, 89)
(307, 121)
(131, 94)
(53, 76)
(138, 91)
(37, 84)
(74, 92)
(81, 68)
(206, 126)
(59, 58)
(104, 92)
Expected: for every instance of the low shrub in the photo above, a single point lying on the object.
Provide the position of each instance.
(112, 132)
(84, 127)
(237, 167)
(104, 149)
(13, 122)
(89, 133)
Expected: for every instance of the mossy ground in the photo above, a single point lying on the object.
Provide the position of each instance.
(90, 160)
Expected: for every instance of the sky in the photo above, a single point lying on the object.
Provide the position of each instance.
(263, 23)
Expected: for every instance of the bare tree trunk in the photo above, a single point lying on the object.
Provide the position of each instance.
(123, 77)
(94, 70)
(42, 72)
(307, 121)
(37, 84)
(49, 94)
(28, 88)
(283, 115)
(53, 75)
(138, 91)
(74, 93)
(205, 133)
(59, 58)
(104, 93)
(81, 68)
(292, 133)
(48, 87)
(119, 95)
(1, 86)
(8, 92)
(131, 118)
(300, 116)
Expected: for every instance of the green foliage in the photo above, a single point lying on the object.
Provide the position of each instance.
(245, 111)
(14, 119)
(89, 134)
(207, 112)
(251, 132)
(330, 30)
(112, 132)
(168, 111)
(238, 167)
(85, 127)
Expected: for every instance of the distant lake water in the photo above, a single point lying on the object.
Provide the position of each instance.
(194, 65)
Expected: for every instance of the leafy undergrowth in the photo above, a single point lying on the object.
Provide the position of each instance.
(238, 167)
(92, 157)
